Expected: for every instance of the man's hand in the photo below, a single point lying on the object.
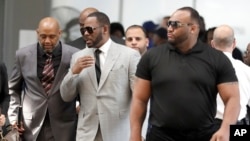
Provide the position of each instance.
(82, 63)
(2, 119)
(221, 135)
(20, 128)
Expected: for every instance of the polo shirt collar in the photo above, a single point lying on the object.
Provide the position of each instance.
(198, 47)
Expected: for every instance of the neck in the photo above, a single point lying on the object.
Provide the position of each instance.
(184, 47)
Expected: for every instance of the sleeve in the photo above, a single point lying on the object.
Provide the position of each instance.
(134, 59)
(5, 98)
(68, 87)
(226, 71)
(16, 85)
(143, 67)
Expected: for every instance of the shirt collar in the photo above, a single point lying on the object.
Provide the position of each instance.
(56, 51)
(105, 47)
(198, 47)
(228, 54)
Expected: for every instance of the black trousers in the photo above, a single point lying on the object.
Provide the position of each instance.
(46, 131)
(159, 134)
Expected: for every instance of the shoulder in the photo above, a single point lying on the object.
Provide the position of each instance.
(26, 49)
(122, 48)
(69, 48)
(159, 51)
(82, 52)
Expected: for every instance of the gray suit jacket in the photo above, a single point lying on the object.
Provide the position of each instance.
(36, 102)
(108, 104)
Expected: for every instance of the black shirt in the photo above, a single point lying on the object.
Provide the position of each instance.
(184, 86)
(41, 58)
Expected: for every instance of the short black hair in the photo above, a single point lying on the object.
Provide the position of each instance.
(194, 14)
(101, 17)
(116, 26)
(138, 26)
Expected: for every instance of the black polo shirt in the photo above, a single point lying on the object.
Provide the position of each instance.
(184, 86)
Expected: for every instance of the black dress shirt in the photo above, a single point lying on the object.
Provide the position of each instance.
(41, 58)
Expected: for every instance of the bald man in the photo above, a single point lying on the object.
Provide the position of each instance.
(46, 117)
(79, 42)
(224, 40)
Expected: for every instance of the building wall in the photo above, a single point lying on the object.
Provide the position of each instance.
(19, 14)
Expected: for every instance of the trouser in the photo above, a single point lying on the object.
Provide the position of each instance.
(45, 133)
(98, 136)
(160, 134)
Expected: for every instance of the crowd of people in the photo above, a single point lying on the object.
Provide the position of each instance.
(173, 81)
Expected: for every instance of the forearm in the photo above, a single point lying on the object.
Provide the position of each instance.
(231, 112)
(137, 116)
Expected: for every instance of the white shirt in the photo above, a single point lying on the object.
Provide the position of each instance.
(243, 75)
(103, 55)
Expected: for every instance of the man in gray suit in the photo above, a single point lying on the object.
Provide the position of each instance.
(46, 117)
(104, 112)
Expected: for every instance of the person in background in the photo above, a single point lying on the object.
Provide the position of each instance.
(80, 43)
(209, 35)
(182, 80)
(34, 84)
(237, 54)
(149, 27)
(224, 40)
(164, 22)
(4, 97)
(136, 38)
(117, 30)
(202, 32)
(160, 37)
(246, 56)
(104, 83)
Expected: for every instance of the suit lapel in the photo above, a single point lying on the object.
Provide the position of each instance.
(112, 56)
(33, 61)
(91, 70)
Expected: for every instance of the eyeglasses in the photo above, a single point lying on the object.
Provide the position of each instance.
(177, 24)
(89, 29)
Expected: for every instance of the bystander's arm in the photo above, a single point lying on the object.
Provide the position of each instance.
(141, 95)
(229, 93)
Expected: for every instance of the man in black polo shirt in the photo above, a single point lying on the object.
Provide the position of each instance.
(182, 79)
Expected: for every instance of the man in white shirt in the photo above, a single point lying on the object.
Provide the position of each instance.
(224, 40)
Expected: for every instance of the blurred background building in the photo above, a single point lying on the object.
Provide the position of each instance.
(19, 18)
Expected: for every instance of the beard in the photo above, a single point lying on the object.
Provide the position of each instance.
(98, 39)
(50, 49)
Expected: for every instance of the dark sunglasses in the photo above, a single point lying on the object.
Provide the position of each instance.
(89, 29)
(177, 24)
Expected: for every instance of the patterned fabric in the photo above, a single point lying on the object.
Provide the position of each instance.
(48, 74)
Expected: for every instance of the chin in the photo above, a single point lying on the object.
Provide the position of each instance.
(48, 50)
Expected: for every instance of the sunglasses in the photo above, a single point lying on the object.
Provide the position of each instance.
(89, 29)
(177, 24)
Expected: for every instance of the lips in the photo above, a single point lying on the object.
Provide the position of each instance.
(170, 36)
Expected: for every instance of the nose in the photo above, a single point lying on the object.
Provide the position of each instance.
(47, 39)
(170, 28)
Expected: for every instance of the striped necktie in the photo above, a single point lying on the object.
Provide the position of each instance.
(48, 73)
